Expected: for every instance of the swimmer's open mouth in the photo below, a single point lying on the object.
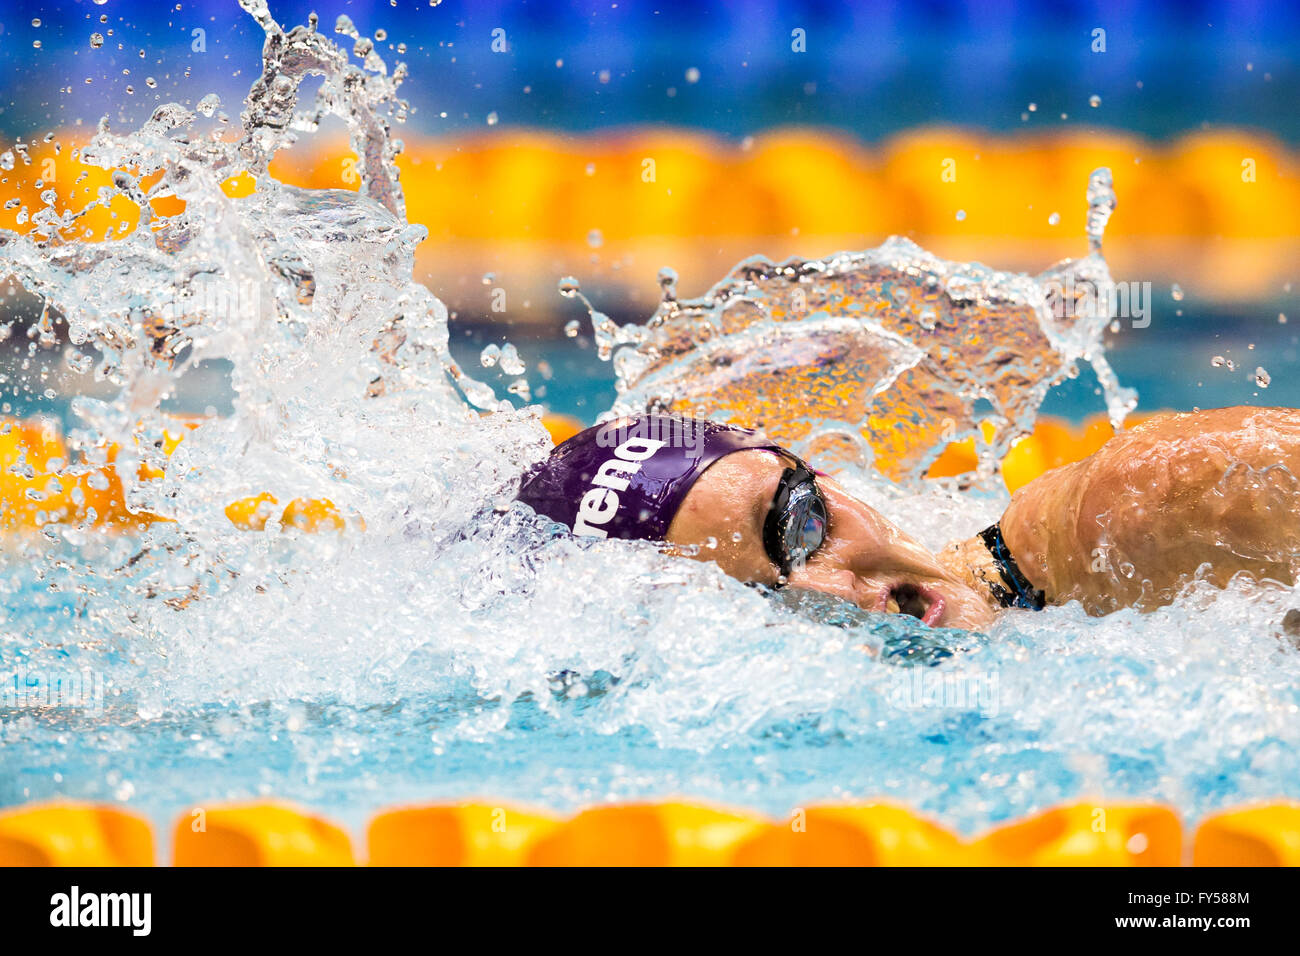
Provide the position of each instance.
(924, 604)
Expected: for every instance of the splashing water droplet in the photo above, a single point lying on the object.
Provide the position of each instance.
(1176, 292)
(510, 361)
(668, 283)
(1094, 101)
(1262, 378)
(1101, 203)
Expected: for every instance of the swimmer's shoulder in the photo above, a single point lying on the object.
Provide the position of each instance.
(1230, 418)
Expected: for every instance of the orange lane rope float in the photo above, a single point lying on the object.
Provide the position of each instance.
(531, 198)
(650, 834)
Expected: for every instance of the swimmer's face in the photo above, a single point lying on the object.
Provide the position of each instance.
(863, 558)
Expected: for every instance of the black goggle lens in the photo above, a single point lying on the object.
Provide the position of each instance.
(797, 524)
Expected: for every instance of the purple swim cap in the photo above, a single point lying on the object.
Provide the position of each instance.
(627, 478)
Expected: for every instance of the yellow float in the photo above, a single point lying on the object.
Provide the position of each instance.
(665, 834)
(74, 835)
(1088, 834)
(877, 834)
(468, 835)
(1252, 836)
(650, 834)
(264, 834)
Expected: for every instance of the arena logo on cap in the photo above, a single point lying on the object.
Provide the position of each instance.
(600, 503)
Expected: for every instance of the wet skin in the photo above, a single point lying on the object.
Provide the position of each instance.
(864, 558)
(1213, 493)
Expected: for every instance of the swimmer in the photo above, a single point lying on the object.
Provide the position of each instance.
(1209, 494)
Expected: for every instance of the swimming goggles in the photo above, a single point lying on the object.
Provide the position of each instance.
(797, 522)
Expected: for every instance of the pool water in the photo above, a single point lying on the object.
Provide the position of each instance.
(668, 680)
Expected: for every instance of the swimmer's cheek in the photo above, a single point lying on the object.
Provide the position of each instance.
(837, 582)
(732, 560)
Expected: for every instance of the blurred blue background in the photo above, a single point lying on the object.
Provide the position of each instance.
(869, 68)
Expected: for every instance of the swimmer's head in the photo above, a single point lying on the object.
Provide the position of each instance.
(627, 478)
(719, 493)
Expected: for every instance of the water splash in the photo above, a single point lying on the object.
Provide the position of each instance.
(306, 293)
(343, 387)
(1101, 204)
(880, 357)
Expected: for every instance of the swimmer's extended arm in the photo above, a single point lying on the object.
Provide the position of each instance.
(1130, 524)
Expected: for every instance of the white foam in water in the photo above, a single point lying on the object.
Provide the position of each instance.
(458, 645)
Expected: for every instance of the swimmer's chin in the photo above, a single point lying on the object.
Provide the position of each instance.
(968, 610)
